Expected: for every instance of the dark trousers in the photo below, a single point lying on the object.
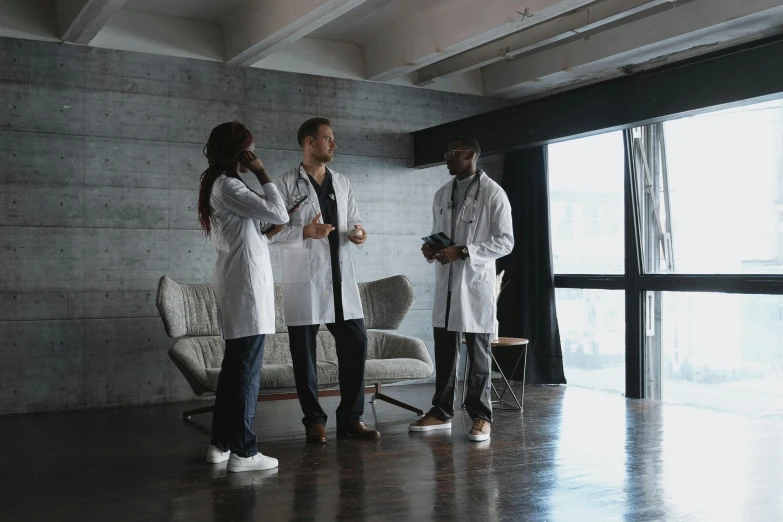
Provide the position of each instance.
(237, 394)
(351, 343)
(478, 402)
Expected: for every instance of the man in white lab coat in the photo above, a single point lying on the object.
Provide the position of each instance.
(319, 284)
(474, 212)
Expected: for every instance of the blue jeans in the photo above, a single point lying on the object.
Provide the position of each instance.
(237, 395)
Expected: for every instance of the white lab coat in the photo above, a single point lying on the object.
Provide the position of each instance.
(307, 269)
(243, 273)
(489, 237)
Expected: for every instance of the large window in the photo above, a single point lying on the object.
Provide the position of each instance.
(692, 208)
(708, 190)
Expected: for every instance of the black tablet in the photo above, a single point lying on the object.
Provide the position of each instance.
(438, 241)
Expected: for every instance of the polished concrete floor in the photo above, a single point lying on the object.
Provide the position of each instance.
(574, 454)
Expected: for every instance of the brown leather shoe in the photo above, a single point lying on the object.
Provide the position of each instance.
(315, 434)
(357, 430)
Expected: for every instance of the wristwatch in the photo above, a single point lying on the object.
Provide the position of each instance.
(464, 252)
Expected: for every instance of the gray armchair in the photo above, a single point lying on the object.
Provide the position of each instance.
(189, 314)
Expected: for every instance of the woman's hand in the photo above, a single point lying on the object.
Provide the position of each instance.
(253, 164)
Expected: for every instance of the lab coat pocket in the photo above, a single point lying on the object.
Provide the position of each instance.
(479, 277)
(296, 268)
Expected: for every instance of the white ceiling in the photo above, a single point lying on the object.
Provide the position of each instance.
(355, 26)
(366, 20)
(202, 10)
(514, 49)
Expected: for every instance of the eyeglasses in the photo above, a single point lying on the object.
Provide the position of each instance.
(450, 154)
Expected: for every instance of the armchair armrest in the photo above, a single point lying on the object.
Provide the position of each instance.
(194, 357)
(395, 346)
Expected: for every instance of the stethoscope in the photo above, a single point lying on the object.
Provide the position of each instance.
(301, 178)
(476, 181)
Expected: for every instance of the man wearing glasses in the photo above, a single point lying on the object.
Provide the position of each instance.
(474, 212)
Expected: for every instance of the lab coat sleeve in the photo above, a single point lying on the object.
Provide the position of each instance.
(501, 241)
(242, 201)
(291, 235)
(354, 218)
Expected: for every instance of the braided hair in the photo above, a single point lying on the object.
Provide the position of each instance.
(226, 144)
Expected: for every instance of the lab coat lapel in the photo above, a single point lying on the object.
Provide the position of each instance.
(316, 205)
(342, 199)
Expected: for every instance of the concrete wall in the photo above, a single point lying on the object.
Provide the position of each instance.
(100, 158)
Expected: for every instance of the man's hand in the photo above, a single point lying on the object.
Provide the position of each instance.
(316, 230)
(447, 255)
(358, 237)
(429, 252)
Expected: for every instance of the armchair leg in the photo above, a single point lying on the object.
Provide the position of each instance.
(186, 415)
(381, 397)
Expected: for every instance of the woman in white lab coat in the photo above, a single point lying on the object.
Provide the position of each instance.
(232, 212)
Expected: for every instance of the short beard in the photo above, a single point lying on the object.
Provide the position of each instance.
(326, 158)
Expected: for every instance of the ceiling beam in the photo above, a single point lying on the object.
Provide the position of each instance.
(265, 26)
(81, 20)
(569, 25)
(695, 25)
(451, 27)
(711, 80)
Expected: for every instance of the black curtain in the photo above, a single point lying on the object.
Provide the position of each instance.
(526, 307)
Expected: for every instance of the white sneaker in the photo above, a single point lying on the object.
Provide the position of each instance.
(257, 462)
(215, 456)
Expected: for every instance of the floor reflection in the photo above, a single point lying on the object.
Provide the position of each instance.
(306, 471)
(643, 459)
(235, 495)
(352, 484)
(444, 505)
(464, 485)
(573, 454)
